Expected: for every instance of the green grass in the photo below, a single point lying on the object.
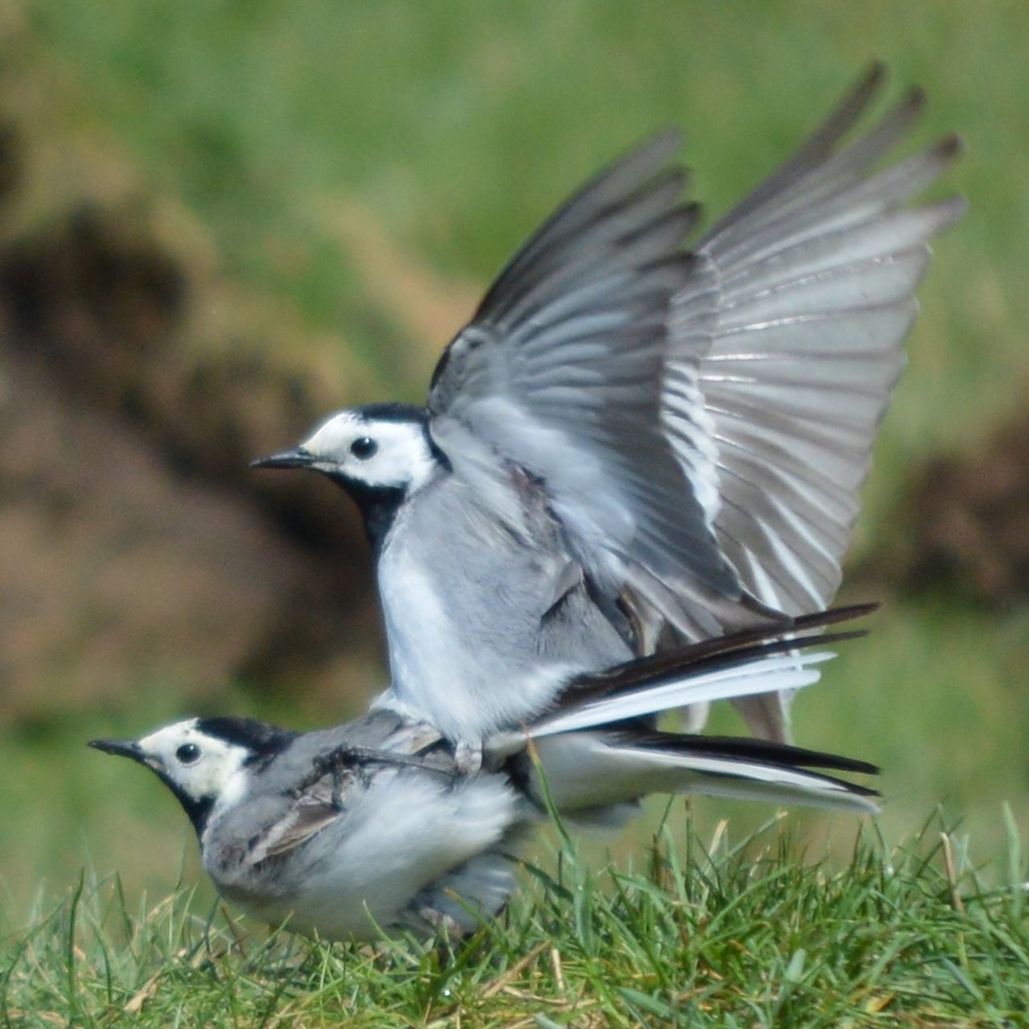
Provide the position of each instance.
(708, 934)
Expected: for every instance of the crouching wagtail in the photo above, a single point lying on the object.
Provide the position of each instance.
(374, 825)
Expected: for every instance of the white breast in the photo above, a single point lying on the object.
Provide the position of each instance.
(462, 599)
(361, 874)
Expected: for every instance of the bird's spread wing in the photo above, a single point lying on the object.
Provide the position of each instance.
(774, 346)
(560, 373)
(787, 343)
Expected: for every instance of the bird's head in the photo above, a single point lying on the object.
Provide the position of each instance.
(381, 448)
(202, 760)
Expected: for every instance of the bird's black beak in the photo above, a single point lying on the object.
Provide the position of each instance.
(123, 748)
(296, 458)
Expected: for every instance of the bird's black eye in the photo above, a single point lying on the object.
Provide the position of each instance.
(188, 753)
(363, 448)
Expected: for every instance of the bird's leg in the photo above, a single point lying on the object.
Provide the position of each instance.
(334, 763)
(467, 757)
(336, 797)
(346, 756)
(446, 925)
(389, 757)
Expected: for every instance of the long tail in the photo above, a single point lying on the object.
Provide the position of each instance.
(742, 664)
(586, 772)
(593, 756)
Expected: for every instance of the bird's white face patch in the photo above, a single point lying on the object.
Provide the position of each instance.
(375, 452)
(200, 765)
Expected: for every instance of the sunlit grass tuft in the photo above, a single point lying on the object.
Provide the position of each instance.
(712, 933)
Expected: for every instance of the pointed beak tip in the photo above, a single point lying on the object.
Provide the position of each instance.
(296, 458)
(122, 748)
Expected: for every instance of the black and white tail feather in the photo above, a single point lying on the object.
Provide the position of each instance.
(599, 748)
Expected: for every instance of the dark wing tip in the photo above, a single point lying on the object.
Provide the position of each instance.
(868, 84)
(914, 100)
(875, 73)
(951, 146)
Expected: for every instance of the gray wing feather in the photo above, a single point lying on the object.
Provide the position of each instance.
(788, 343)
(293, 803)
(560, 372)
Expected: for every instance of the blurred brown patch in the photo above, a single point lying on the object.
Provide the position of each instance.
(136, 546)
(137, 381)
(970, 520)
(10, 161)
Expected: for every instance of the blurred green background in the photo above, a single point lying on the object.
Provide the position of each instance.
(223, 219)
